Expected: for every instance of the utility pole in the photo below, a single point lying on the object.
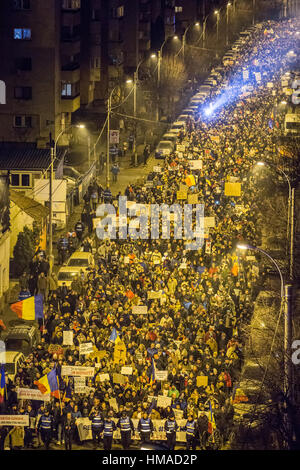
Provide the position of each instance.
(52, 156)
(89, 150)
(135, 82)
(108, 138)
(159, 57)
(292, 222)
(253, 11)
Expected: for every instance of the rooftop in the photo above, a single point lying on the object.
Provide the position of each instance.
(26, 156)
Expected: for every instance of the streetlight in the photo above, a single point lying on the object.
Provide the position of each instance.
(290, 216)
(286, 296)
(204, 31)
(159, 55)
(53, 147)
(184, 36)
(218, 19)
(227, 21)
(253, 11)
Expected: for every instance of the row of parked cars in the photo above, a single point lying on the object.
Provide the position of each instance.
(168, 143)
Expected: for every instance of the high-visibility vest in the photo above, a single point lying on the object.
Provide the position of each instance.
(145, 425)
(97, 421)
(45, 422)
(125, 424)
(190, 428)
(108, 428)
(170, 426)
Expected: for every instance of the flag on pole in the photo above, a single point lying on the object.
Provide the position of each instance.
(2, 384)
(67, 396)
(29, 309)
(48, 384)
(113, 335)
(211, 420)
(152, 377)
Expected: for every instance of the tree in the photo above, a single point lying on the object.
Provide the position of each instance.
(25, 248)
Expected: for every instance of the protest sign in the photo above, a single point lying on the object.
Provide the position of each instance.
(202, 381)
(163, 402)
(68, 338)
(161, 375)
(14, 420)
(139, 310)
(196, 164)
(113, 403)
(233, 189)
(119, 379)
(32, 394)
(180, 148)
(193, 198)
(178, 414)
(86, 348)
(77, 371)
(126, 370)
(157, 169)
(209, 222)
(181, 195)
(153, 295)
(120, 352)
(103, 377)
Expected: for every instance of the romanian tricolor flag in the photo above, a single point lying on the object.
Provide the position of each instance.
(211, 420)
(2, 384)
(152, 377)
(48, 384)
(29, 309)
(190, 180)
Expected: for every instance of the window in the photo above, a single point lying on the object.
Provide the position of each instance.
(23, 92)
(15, 180)
(22, 33)
(23, 63)
(71, 4)
(25, 180)
(66, 89)
(178, 9)
(120, 11)
(95, 62)
(2, 92)
(22, 121)
(96, 15)
(21, 4)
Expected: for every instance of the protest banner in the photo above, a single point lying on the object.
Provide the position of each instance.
(202, 381)
(113, 403)
(181, 195)
(32, 394)
(84, 426)
(233, 189)
(77, 371)
(86, 348)
(163, 402)
(161, 375)
(209, 222)
(196, 164)
(126, 370)
(104, 377)
(193, 198)
(14, 420)
(119, 379)
(68, 338)
(139, 309)
(152, 295)
(120, 352)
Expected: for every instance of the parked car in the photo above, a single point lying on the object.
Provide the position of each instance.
(81, 260)
(170, 137)
(22, 338)
(13, 361)
(71, 172)
(164, 148)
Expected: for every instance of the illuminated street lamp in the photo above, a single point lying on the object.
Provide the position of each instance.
(184, 36)
(160, 57)
(227, 22)
(218, 20)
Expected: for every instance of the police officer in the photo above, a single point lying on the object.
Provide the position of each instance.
(79, 229)
(170, 429)
(191, 431)
(126, 426)
(45, 427)
(97, 425)
(62, 246)
(109, 427)
(145, 427)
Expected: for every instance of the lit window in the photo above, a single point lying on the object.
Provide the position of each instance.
(66, 89)
(70, 4)
(22, 4)
(22, 33)
(178, 9)
(2, 92)
(120, 11)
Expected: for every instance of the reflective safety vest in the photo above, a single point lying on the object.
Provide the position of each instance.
(170, 426)
(145, 425)
(108, 428)
(125, 424)
(191, 428)
(97, 421)
(45, 423)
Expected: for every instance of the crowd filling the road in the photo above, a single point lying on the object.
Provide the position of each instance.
(183, 357)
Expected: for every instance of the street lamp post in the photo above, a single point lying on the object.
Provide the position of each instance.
(286, 297)
(204, 31)
(218, 19)
(159, 60)
(184, 38)
(227, 22)
(253, 11)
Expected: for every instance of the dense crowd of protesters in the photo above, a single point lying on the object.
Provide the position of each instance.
(194, 327)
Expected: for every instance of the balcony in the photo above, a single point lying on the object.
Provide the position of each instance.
(71, 75)
(69, 104)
